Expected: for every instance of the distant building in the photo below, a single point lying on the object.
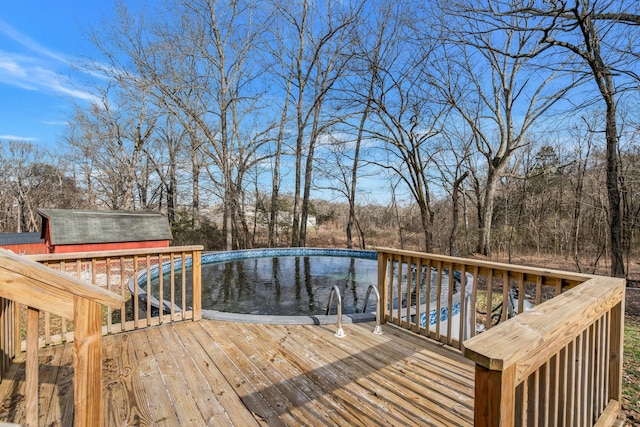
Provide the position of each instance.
(66, 230)
(23, 243)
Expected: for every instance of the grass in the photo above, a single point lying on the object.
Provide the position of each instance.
(631, 373)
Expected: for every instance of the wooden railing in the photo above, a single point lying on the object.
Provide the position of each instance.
(559, 364)
(174, 296)
(547, 344)
(39, 288)
(479, 294)
(9, 334)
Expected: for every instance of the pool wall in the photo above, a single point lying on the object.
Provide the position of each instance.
(216, 257)
(221, 257)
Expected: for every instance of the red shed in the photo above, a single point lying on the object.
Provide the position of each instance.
(23, 243)
(66, 230)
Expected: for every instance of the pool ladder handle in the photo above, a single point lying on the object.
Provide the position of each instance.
(336, 291)
(378, 328)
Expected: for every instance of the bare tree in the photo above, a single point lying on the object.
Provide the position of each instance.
(600, 34)
(312, 50)
(452, 163)
(275, 176)
(373, 35)
(113, 137)
(194, 59)
(577, 182)
(405, 119)
(32, 178)
(502, 96)
(164, 154)
(408, 128)
(337, 166)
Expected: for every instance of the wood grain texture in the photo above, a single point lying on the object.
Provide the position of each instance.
(550, 275)
(534, 336)
(35, 293)
(229, 374)
(44, 288)
(196, 285)
(555, 351)
(610, 414)
(87, 363)
(112, 254)
(31, 366)
(495, 398)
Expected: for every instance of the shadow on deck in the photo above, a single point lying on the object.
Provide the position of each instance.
(216, 373)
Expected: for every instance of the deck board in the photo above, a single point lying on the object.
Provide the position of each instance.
(231, 374)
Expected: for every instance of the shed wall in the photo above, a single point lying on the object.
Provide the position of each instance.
(94, 247)
(27, 248)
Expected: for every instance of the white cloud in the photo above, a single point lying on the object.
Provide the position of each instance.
(38, 68)
(10, 67)
(17, 138)
(55, 122)
(28, 43)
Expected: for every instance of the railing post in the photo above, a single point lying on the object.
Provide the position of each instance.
(196, 277)
(17, 343)
(32, 367)
(382, 288)
(494, 397)
(9, 334)
(87, 386)
(616, 350)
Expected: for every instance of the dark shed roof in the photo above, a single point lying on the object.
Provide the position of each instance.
(68, 227)
(7, 239)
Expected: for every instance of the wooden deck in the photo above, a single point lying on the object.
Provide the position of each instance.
(215, 373)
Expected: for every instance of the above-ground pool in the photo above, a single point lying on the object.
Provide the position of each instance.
(293, 285)
(287, 285)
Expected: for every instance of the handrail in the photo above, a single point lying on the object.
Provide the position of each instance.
(40, 288)
(574, 310)
(336, 291)
(114, 269)
(47, 289)
(557, 362)
(550, 275)
(378, 328)
(111, 253)
(585, 322)
(450, 299)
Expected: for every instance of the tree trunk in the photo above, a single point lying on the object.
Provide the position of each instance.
(308, 172)
(171, 189)
(426, 218)
(604, 80)
(613, 191)
(275, 178)
(195, 187)
(306, 196)
(484, 243)
(228, 216)
(295, 226)
(354, 171)
(455, 212)
(275, 191)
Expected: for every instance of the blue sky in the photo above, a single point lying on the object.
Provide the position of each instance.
(39, 40)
